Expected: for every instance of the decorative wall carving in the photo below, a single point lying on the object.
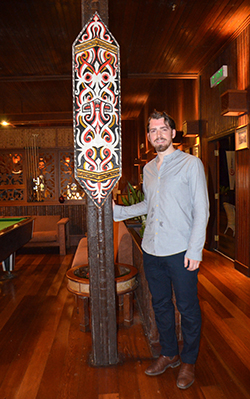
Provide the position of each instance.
(46, 172)
(70, 188)
(11, 194)
(11, 176)
(54, 175)
(11, 168)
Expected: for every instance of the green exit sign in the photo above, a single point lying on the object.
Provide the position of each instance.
(219, 76)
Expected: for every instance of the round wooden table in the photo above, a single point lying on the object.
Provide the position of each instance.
(125, 282)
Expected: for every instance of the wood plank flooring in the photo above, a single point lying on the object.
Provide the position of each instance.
(44, 355)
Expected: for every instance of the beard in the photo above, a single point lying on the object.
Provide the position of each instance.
(163, 146)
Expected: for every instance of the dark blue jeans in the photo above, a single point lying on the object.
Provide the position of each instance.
(163, 273)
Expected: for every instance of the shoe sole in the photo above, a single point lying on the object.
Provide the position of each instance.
(186, 386)
(173, 365)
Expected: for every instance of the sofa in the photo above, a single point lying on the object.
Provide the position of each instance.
(50, 231)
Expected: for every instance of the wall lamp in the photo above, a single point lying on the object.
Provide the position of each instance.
(234, 103)
(190, 128)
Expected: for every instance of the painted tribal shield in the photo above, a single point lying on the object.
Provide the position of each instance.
(97, 110)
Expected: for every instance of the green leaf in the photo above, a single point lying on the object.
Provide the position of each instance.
(133, 193)
(135, 196)
(125, 201)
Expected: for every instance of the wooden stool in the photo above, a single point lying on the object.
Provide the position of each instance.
(126, 283)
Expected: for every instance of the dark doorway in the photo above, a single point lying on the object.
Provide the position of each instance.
(226, 216)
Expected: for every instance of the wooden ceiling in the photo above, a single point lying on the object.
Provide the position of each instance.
(159, 39)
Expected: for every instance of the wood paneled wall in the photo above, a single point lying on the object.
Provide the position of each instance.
(242, 259)
(129, 154)
(178, 97)
(237, 57)
(210, 108)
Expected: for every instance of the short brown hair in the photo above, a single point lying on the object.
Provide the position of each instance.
(159, 115)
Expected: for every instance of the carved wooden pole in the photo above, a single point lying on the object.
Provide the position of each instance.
(89, 7)
(97, 133)
(102, 284)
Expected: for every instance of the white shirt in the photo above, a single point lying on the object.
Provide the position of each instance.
(176, 204)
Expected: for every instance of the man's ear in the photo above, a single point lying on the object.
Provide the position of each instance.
(173, 133)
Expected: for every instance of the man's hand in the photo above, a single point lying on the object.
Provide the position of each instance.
(191, 264)
(113, 204)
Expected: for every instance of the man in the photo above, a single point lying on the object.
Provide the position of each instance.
(176, 204)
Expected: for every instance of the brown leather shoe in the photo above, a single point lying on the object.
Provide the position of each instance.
(186, 376)
(161, 364)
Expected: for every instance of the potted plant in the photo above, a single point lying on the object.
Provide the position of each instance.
(135, 196)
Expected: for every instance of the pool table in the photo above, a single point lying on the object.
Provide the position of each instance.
(14, 233)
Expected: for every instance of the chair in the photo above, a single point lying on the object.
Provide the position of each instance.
(230, 211)
(50, 231)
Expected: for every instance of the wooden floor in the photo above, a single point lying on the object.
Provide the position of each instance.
(44, 355)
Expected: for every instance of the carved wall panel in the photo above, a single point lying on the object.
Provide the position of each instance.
(69, 187)
(46, 174)
(11, 194)
(11, 176)
(52, 175)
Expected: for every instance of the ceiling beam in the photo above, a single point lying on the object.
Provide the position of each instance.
(163, 75)
(35, 78)
(47, 78)
(38, 118)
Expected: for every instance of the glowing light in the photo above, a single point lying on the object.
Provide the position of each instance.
(219, 76)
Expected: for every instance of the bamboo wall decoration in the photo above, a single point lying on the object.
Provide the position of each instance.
(32, 165)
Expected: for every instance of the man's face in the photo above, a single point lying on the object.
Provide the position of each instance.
(160, 134)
